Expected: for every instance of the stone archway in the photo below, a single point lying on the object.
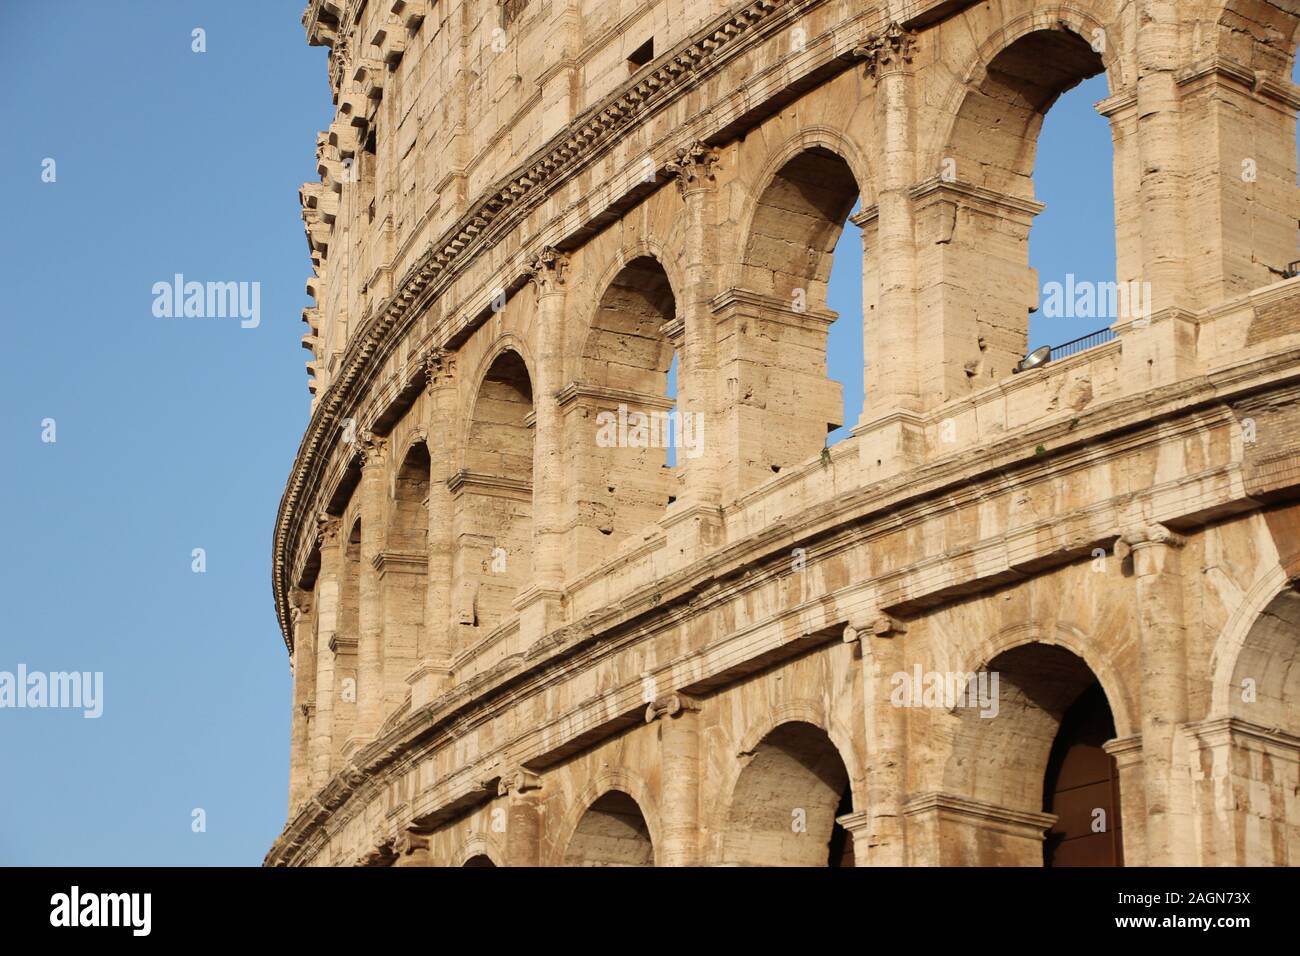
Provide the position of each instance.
(786, 800)
(775, 327)
(1029, 765)
(612, 832)
(619, 414)
(494, 496)
(1251, 755)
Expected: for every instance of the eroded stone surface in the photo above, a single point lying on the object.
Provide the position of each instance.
(520, 636)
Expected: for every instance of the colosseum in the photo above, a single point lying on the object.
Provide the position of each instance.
(1035, 610)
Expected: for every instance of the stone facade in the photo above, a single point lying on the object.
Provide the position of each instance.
(514, 643)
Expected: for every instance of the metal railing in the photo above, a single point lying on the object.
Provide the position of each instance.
(1084, 342)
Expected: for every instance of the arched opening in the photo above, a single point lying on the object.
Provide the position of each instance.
(350, 591)
(630, 432)
(1082, 788)
(408, 530)
(786, 801)
(1030, 740)
(976, 277)
(1266, 680)
(774, 331)
(845, 355)
(344, 643)
(404, 574)
(479, 860)
(612, 832)
(1072, 242)
(494, 496)
(1250, 815)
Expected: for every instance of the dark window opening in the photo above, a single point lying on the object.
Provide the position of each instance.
(641, 55)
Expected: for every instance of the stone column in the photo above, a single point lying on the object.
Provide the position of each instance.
(698, 361)
(1127, 752)
(881, 841)
(679, 778)
(1160, 340)
(370, 636)
(1161, 642)
(891, 433)
(304, 697)
(432, 673)
(523, 817)
(413, 848)
(540, 604)
(859, 826)
(1160, 150)
(327, 615)
(893, 340)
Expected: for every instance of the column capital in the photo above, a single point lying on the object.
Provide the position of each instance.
(439, 369)
(300, 602)
(1140, 536)
(693, 167)
(411, 841)
(874, 625)
(548, 271)
(371, 448)
(889, 51)
(519, 780)
(671, 705)
(327, 529)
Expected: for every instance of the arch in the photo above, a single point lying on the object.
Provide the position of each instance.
(612, 832)
(493, 493)
(1251, 742)
(609, 779)
(1260, 35)
(797, 215)
(408, 525)
(1264, 687)
(1002, 59)
(1050, 716)
(625, 345)
(777, 315)
(640, 247)
(621, 415)
(790, 788)
(504, 344)
(1121, 698)
(823, 138)
(1237, 632)
(480, 848)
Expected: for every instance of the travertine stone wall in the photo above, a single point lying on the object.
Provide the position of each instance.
(522, 638)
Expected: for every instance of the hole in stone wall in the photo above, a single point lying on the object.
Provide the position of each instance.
(641, 55)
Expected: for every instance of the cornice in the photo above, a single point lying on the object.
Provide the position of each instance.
(1259, 83)
(978, 812)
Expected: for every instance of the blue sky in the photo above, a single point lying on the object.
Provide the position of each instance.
(176, 434)
(172, 434)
